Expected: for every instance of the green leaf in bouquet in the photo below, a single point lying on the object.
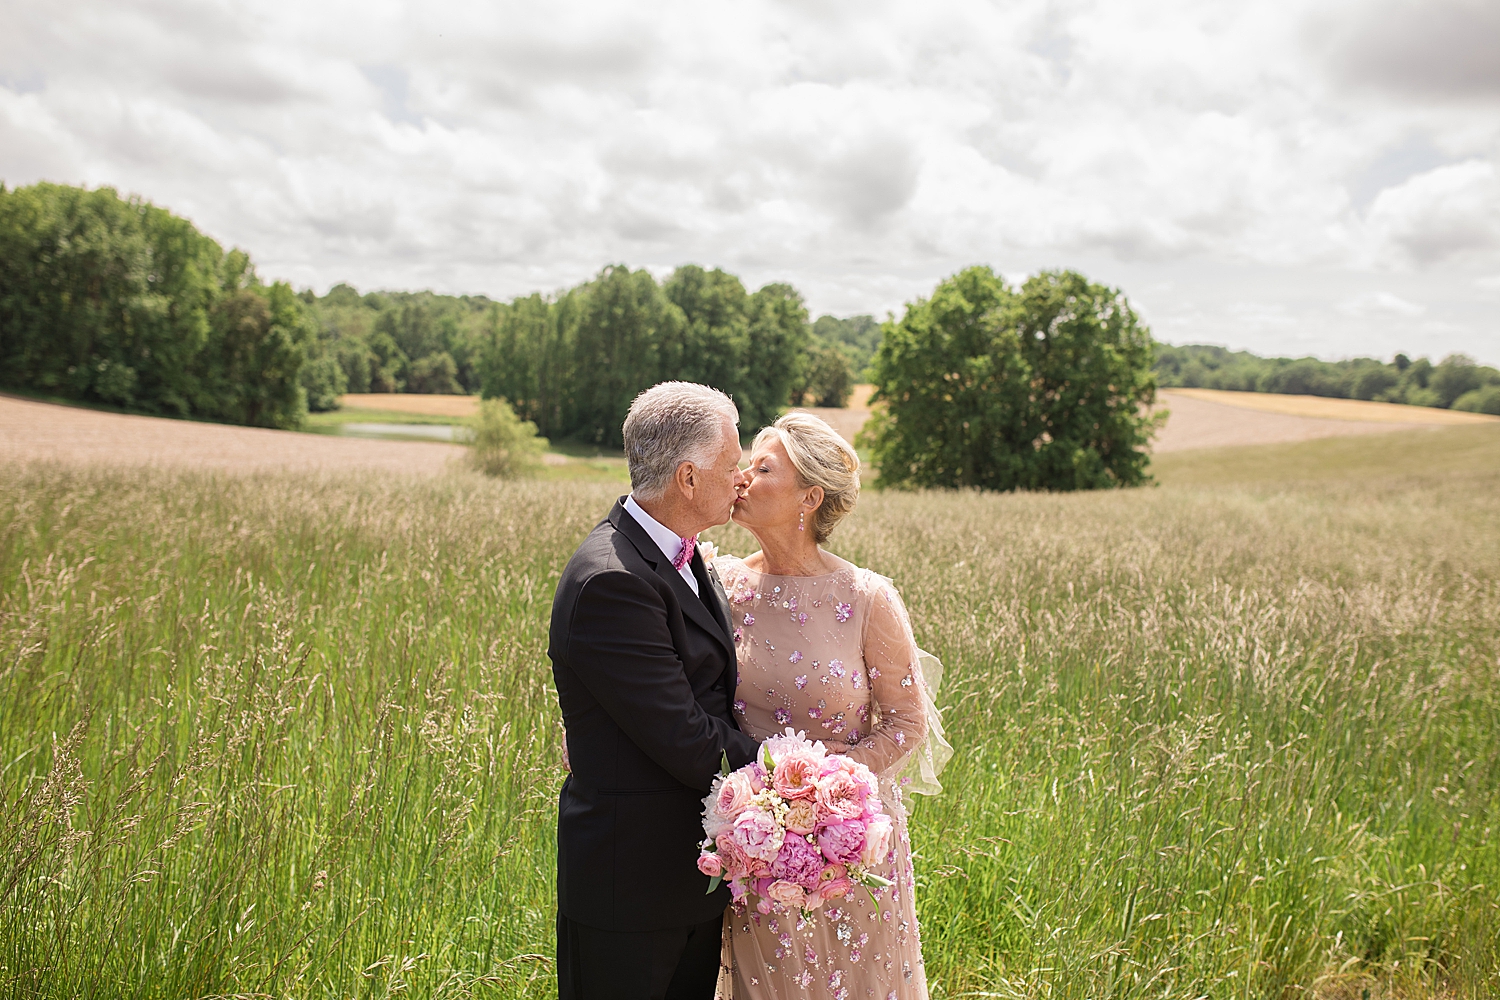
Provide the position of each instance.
(765, 759)
(724, 763)
(713, 884)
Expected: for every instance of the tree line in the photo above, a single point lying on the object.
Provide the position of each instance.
(1456, 382)
(114, 300)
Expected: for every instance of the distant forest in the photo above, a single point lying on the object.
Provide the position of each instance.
(572, 361)
(1456, 382)
(116, 301)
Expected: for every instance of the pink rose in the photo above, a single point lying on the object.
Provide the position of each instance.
(710, 865)
(798, 861)
(802, 817)
(877, 841)
(757, 834)
(831, 873)
(838, 887)
(840, 796)
(841, 842)
(734, 795)
(734, 859)
(788, 894)
(795, 775)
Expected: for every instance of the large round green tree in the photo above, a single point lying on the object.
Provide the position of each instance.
(1045, 387)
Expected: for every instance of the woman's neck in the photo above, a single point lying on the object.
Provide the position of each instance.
(792, 553)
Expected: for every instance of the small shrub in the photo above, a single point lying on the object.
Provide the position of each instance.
(502, 444)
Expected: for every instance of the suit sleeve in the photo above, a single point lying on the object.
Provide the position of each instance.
(620, 648)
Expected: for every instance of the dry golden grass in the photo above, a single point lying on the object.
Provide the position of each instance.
(847, 420)
(1323, 408)
(420, 403)
(31, 431)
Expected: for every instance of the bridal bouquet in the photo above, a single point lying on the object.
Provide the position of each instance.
(798, 827)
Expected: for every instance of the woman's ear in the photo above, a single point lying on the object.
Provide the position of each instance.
(813, 498)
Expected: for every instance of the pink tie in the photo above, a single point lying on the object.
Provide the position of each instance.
(685, 555)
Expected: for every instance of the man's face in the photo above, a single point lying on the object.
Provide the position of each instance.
(717, 486)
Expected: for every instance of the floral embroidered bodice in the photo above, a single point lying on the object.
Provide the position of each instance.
(832, 655)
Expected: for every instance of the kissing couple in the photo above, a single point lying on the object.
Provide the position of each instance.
(669, 659)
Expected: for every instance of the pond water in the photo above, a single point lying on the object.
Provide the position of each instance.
(411, 432)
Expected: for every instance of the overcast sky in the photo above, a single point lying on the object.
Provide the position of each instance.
(1288, 176)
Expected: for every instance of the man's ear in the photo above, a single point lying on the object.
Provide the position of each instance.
(687, 478)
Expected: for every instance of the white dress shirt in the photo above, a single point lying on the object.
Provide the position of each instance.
(665, 538)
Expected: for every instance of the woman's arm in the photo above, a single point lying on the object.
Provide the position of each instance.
(895, 684)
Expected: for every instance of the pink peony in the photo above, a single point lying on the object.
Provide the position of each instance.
(795, 775)
(710, 865)
(757, 834)
(737, 890)
(841, 841)
(866, 778)
(788, 894)
(877, 841)
(734, 795)
(798, 861)
(840, 796)
(802, 817)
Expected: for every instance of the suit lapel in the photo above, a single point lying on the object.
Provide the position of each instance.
(691, 605)
(716, 597)
(722, 612)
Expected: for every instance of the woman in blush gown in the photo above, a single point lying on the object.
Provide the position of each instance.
(825, 647)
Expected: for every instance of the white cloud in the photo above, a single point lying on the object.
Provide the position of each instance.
(1440, 214)
(859, 152)
(1378, 303)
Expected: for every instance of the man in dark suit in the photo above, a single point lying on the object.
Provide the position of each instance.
(643, 658)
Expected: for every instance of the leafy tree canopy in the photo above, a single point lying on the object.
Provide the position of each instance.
(573, 363)
(112, 300)
(1044, 387)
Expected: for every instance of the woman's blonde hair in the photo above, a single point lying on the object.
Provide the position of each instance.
(821, 458)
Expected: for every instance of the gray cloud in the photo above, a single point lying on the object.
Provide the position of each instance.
(1418, 48)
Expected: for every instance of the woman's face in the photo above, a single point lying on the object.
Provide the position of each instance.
(771, 496)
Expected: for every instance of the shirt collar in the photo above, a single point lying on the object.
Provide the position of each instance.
(665, 538)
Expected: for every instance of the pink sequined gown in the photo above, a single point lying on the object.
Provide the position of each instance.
(832, 655)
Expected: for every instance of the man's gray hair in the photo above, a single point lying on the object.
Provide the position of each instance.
(671, 423)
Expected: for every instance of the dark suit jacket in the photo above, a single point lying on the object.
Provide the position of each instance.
(645, 675)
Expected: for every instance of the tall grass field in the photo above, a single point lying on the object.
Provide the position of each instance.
(1233, 736)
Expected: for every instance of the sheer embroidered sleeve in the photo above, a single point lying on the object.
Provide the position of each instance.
(890, 654)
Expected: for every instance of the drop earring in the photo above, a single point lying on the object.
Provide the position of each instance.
(801, 521)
